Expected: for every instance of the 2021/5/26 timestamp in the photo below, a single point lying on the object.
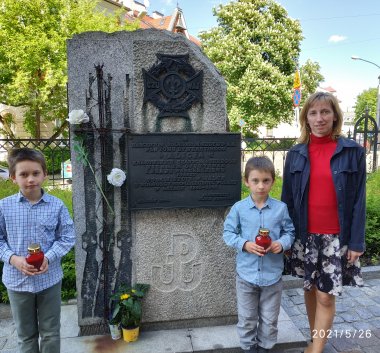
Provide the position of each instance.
(341, 333)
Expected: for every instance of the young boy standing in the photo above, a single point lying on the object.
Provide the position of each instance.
(33, 216)
(259, 270)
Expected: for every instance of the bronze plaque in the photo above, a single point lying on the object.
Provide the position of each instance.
(184, 170)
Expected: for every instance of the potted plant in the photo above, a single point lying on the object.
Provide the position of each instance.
(129, 310)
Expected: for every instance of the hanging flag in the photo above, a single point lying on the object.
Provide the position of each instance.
(297, 89)
(297, 80)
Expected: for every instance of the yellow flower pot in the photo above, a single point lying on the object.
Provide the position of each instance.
(131, 335)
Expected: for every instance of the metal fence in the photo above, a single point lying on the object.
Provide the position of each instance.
(56, 152)
(275, 149)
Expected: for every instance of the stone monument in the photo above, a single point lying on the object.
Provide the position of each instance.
(157, 111)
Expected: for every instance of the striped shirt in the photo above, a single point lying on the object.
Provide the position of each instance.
(46, 222)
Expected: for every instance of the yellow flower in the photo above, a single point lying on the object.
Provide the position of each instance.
(124, 296)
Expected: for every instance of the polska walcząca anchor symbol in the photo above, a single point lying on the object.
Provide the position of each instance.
(179, 271)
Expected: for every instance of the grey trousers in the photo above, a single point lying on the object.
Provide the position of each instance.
(258, 311)
(37, 315)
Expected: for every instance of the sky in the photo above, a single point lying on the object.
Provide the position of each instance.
(333, 30)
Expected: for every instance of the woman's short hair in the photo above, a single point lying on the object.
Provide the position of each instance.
(334, 103)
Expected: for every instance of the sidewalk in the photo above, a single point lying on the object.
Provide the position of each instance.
(356, 328)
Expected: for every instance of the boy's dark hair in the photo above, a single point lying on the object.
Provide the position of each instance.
(17, 155)
(262, 163)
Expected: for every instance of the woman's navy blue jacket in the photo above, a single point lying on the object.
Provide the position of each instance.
(348, 169)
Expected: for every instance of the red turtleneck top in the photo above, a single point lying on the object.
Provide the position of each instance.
(322, 205)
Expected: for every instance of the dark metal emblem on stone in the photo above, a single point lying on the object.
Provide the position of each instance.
(173, 85)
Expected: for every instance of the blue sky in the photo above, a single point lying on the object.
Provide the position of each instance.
(334, 30)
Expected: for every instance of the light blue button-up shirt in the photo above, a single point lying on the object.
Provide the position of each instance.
(46, 222)
(243, 223)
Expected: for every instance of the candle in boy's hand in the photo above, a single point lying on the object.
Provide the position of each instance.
(263, 239)
(35, 256)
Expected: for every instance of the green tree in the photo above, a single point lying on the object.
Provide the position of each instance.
(310, 79)
(366, 100)
(256, 47)
(33, 70)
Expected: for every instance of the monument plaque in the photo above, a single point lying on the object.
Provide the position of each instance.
(183, 170)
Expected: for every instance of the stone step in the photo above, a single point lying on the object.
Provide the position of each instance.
(221, 339)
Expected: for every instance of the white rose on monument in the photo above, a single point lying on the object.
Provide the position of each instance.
(116, 177)
(78, 116)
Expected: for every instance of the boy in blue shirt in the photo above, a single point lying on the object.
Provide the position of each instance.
(259, 271)
(33, 216)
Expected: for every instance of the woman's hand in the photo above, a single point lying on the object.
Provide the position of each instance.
(352, 256)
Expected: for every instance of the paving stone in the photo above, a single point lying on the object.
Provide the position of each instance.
(291, 292)
(372, 341)
(300, 321)
(286, 302)
(366, 301)
(342, 344)
(364, 313)
(376, 332)
(375, 309)
(354, 292)
(7, 327)
(329, 348)
(350, 316)
(363, 325)
(292, 311)
(340, 308)
(375, 323)
(297, 300)
(369, 291)
(306, 333)
(338, 319)
(372, 282)
(376, 298)
(348, 303)
(339, 329)
(302, 308)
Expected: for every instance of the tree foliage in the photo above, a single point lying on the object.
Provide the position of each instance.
(256, 47)
(366, 100)
(310, 79)
(33, 70)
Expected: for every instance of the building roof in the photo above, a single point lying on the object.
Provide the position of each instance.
(175, 22)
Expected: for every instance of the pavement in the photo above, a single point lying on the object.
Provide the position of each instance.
(356, 327)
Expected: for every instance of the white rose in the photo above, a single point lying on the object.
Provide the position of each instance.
(116, 177)
(78, 116)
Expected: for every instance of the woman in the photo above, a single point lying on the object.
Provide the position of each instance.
(324, 188)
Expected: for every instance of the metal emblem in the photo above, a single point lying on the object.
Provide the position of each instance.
(173, 85)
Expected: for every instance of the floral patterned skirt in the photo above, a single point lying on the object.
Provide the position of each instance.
(323, 263)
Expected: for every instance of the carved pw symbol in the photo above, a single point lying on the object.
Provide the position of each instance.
(179, 270)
